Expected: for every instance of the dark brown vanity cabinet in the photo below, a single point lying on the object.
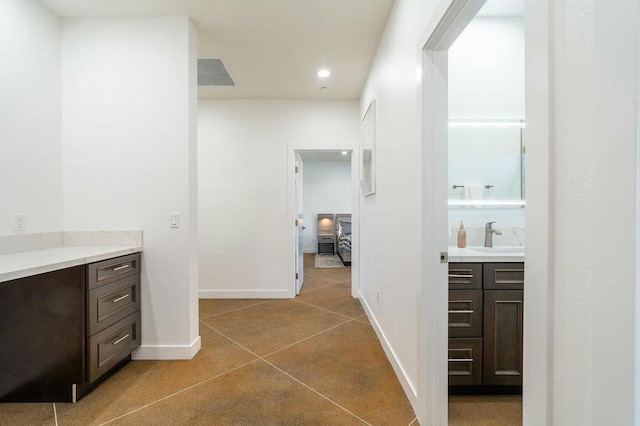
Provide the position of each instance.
(485, 324)
(64, 331)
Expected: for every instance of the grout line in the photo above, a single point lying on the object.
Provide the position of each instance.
(310, 337)
(415, 419)
(233, 341)
(324, 309)
(318, 393)
(236, 309)
(289, 375)
(318, 288)
(179, 392)
(55, 413)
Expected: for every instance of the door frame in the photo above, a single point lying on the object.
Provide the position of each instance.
(450, 19)
(355, 210)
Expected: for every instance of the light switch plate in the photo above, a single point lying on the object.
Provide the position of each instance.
(174, 220)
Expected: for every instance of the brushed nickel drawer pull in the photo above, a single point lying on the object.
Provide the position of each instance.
(460, 276)
(121, 339)
(462, 312)
(460, 360)
(118, 268)
(117, 299)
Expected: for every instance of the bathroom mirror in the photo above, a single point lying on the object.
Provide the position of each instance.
(486, 163)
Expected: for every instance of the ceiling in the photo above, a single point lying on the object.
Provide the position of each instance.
(271, 48)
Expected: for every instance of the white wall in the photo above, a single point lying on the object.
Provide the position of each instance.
(391, 229)
(486, 70)
(128, 97)
(592, 283)
(30, 117)
(326, 189)
(242, 154)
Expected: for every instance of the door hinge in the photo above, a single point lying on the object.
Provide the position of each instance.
(296, 222)
(296, 275)
(296, 169)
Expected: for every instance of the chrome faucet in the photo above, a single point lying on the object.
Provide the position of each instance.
(488, 234)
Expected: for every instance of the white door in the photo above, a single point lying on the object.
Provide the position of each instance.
(300, 226)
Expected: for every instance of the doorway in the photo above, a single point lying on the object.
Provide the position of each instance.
(304, 236)
(454, 18)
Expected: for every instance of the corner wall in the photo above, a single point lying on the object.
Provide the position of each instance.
(242, 154)
(128, 97)
(30, 117)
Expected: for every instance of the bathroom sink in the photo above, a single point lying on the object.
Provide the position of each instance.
(499, 250)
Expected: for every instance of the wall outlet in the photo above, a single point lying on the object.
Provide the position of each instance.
(19, 222)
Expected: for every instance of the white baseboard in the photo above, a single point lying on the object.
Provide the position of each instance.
(167, 352)
(312, 251)
(245, 294)
(408, 387)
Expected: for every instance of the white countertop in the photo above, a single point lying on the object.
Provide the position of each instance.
(483, 254)
(20, 265)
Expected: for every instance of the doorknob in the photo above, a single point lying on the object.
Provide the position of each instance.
(304, 227)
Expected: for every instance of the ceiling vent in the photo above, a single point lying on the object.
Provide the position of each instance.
(212, 72)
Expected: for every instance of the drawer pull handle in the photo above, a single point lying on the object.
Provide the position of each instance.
(470, 311)
(460, 360)
(117, 299)
(460, 276)
(118, 268)
(121, 339)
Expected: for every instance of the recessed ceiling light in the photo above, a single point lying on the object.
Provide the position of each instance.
(323, 73)
(344, 152)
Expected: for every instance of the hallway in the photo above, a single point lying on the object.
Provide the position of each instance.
(310, 360)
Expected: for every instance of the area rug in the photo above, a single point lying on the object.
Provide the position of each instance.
(328, 261)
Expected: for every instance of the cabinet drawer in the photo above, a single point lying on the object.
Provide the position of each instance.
(111, 302)
(112, 345)
(465, 276)
(465, 313)
(326, 239)
(100, 273)
(504, 276)
(465, 362)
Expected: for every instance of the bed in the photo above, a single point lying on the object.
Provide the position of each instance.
(343, 237)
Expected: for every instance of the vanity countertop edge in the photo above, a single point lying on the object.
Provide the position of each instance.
(20, 265)
(468, 255)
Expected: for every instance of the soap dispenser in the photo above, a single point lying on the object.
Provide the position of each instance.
(462, 236)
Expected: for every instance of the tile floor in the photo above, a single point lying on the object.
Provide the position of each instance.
(493, 410)
(312, 360)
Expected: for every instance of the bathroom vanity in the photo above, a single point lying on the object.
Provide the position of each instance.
(69, 317)
(486, 299)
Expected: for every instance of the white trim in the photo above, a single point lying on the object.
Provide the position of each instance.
(244, 294)
(167, 352)
(355, 210)
(538, 300)
(409, 388)
(450, 19)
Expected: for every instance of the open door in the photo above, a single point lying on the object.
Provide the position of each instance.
(299, 225)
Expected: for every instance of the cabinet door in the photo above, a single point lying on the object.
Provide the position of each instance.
(503, 317)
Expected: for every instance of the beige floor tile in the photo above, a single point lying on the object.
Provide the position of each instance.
(210, 307)
(491, 410)
(256, 394)
(27, 414)
(271, 326)
(348, 365)
(142, 382)
(336, 298)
